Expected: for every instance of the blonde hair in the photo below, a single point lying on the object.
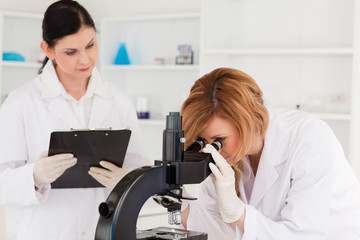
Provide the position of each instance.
(228, 94)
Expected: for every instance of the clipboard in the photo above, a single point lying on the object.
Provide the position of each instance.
(89, 147)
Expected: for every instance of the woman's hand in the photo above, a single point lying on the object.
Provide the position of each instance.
(48, 169)
(231, 207)
(108, 176)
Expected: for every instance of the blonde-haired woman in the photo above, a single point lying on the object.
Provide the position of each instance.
(281, 174)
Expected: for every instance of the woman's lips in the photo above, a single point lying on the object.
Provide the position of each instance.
(84, 69)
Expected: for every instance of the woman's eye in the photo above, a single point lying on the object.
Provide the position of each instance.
(220, 139)
(90, 46)
(70, 53)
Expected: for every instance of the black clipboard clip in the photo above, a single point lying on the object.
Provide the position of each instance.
(89, 129)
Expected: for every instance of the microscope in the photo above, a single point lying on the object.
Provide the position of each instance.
(163, 181)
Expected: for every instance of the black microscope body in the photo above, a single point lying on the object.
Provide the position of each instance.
(163, 181)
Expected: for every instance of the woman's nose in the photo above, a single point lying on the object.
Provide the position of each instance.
(84, 58)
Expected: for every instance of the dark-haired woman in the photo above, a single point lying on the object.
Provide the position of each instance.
(69, 93)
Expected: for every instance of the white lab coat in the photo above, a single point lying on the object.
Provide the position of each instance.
(26, 121)
(304, 188)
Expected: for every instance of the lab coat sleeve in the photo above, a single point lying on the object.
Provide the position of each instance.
(16, 176)
(307, 207)
(204, 215)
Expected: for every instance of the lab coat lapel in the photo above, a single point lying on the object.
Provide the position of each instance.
(101, 108)
(60, 108)
(274, 154)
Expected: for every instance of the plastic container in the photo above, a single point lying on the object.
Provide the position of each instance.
(12, 56)
(122, 57)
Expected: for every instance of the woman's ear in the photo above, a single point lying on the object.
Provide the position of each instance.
(47, 50)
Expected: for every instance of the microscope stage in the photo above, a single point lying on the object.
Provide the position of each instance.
(169, 233)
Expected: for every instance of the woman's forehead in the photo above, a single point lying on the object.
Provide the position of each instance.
(83, 37)
(216, 127)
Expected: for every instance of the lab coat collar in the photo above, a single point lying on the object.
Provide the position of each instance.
(60, 108)
(97, 85)
(52, 87)
(52, 91)
(101, 107)
(275, 153)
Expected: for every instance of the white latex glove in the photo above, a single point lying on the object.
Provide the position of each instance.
(110, 176)
(48, 169)
(231, 206)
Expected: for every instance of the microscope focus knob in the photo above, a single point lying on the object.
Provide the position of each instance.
(106, 209)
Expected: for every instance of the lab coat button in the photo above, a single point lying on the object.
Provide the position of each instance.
(83, 233)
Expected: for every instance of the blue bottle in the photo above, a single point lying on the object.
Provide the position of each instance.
(122, 57)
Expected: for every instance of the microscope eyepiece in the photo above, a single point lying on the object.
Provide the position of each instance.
(196, 146)
(200, 144)
(217, 145)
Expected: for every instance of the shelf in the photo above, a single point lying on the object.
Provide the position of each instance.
(280, 51)
(323, 116)
(154, 17)
(152, 122)
(152, 67)
(22, 15)
(332, 116)
(20, 64)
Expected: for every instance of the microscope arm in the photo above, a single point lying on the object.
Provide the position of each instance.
(120, 211)
(118, 215)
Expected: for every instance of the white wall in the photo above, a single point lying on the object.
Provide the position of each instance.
(110, 8)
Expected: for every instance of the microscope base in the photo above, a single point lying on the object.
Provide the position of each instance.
(169, 233)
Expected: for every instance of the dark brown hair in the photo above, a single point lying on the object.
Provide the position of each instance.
(63, 18)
